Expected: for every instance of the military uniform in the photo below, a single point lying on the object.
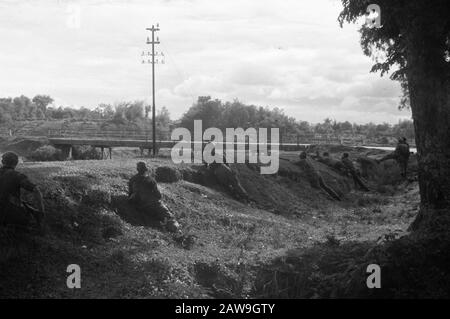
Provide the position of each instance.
(145, 195)
(400, 155)
(315, 179)
(331, 162)
(12, 210)
(227, 178)
(348, 164)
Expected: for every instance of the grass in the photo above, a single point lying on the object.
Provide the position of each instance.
(227, 248)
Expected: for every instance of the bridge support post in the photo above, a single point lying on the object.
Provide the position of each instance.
(110, 153)
(103, 152)
(65, 149)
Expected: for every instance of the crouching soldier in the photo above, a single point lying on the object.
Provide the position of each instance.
(314, 177)
(228, 179)
(144, 194)
(328, 160)
(351, 170)
(13, 210)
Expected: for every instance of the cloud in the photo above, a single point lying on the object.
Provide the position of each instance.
(288, 53)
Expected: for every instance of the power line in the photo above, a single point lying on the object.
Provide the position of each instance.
(179, 70)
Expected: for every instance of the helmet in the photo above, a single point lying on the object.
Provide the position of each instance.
(141, 167)
(10, 159)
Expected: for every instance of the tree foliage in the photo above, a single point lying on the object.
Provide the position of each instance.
(215, 113)
(400, 20)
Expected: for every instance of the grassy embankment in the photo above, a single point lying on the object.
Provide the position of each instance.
(228, 248)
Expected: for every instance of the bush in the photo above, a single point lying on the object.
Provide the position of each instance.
(85, 153)
(168, 174)
(47, 153)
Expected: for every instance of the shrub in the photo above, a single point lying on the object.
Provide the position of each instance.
(167, 174)
(85, 153)
(47, 153)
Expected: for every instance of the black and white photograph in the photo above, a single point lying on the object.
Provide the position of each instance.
(224, 155)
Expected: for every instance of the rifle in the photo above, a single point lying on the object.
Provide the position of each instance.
(36, 213)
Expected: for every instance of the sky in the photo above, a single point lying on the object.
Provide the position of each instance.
(290, 54)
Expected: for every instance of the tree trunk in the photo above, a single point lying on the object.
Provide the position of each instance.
(429, 87)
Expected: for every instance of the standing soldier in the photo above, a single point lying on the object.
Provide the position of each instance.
(348, 164)
(143, 192)
(313, 176)
(12, 209)
(400, 155)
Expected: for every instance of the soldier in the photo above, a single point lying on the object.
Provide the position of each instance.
(400, 155)
(143, 192)
(313, 176)
(348, 164)
(12, 209)
(228, 178)
(369, 166)
(329, 161)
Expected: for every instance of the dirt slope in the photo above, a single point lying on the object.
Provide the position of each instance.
(225, 243)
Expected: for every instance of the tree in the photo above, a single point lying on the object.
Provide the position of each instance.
(405, 129)
(5, 119)
(105, 111)
(207, 110)
(135, 111)
(414, 40)
(21, 105)
(42, 101)
(163, 117)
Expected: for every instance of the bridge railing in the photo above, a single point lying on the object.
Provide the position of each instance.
(106, 134)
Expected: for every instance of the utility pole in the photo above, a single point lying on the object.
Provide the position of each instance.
(153, 62)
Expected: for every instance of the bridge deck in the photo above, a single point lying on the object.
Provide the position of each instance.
(147, 144)
(98, 142)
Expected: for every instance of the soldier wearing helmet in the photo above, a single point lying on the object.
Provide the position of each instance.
(144, 194)
(400, 155)
(313, 176)
(12, 209)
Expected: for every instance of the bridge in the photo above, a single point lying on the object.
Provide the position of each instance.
(107, 139)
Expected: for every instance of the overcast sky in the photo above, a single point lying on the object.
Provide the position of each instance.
(290, 54)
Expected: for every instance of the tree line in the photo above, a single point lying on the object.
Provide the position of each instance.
(40, 107)
(213, 113)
